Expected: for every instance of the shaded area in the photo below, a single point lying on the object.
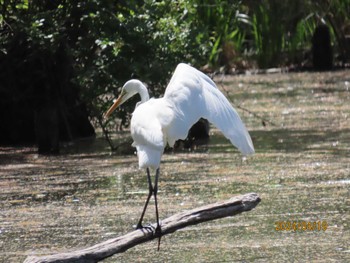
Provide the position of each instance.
(291, 140)
(322, 52)
(38, 102)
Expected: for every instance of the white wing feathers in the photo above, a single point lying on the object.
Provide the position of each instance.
(193, 95)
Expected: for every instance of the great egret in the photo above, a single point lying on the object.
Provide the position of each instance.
(189, 96)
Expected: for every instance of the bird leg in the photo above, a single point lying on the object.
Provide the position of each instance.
(154, 191)
(158, 231)
(150, 191)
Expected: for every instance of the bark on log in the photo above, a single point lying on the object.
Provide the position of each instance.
(96, 253)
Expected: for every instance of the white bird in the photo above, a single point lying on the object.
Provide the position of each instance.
(189, 96)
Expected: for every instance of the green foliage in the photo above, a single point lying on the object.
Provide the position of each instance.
(222, 22)
(108, 42)
(153, 39)
(269, 28)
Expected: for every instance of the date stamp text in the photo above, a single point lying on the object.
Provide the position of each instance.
(301, 225)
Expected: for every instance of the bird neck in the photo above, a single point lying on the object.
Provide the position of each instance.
(143, 93)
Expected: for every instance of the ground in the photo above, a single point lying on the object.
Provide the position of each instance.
(299, 123)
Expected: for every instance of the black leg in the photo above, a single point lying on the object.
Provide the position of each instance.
(158, 230)
(150, 191)
(154, 191)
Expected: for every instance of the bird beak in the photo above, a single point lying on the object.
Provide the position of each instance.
(118, 102)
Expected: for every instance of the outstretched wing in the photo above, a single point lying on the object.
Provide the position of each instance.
(193, 95)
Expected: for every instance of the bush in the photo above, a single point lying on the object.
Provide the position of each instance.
(93, 46)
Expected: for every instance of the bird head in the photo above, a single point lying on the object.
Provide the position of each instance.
(129, 89)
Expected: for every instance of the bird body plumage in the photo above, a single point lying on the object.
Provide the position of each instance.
(148, 128)
(189, 96)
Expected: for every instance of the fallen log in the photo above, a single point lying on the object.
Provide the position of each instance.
(96, 253)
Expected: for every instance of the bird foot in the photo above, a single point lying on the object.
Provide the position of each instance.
(147, 227)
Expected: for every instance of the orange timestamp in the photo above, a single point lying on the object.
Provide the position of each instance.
(301, 225)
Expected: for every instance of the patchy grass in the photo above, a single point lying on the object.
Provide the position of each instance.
(301, 170)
